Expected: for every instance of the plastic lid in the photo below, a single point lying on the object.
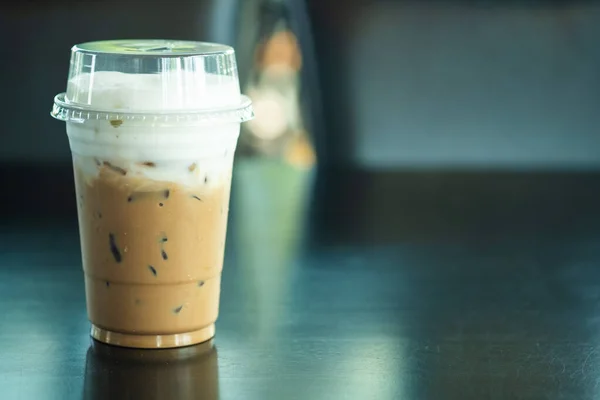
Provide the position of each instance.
(152, 79)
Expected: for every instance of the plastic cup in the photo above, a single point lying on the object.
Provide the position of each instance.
(152, 126)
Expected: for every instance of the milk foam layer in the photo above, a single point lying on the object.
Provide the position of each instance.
(189, 154)
(169, 91)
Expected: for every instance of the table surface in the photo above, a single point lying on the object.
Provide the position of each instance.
(512, 315)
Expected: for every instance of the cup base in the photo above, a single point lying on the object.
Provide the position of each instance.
(152, 341)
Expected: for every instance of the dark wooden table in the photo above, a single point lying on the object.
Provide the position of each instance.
(446, 309)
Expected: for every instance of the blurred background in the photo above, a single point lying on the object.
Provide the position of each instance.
(470, 124)
(442, 106)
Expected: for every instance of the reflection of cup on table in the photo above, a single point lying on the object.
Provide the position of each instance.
(153, 127)
(182, 373)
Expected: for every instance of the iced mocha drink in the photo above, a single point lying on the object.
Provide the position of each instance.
(152, 159)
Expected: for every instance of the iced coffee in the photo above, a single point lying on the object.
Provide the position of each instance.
(152, 159)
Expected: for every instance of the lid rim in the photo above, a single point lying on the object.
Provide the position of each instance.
(65, 111)
(219, 48)
(60, 100)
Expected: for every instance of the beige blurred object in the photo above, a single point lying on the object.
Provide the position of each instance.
(281, 52)
(274, 83)
(275, 114)
(300, 152)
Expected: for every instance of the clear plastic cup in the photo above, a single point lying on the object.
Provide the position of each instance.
(152, 126)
